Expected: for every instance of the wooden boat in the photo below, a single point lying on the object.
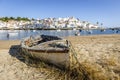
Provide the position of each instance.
(50, 49)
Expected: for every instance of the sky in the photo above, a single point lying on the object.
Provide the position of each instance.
(102, 11)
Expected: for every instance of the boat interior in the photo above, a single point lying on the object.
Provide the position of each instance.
(45, 42)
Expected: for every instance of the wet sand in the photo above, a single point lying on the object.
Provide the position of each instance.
(100, 55)
(6, 44)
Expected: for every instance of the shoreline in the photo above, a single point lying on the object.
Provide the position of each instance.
(59, 28)
(6, 44)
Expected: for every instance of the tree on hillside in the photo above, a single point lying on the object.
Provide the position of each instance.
(6, 19)
(25, 19)
(12, 18)
(18, 18)
(33, 19)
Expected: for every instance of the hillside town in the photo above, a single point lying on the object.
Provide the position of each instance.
(48, 23)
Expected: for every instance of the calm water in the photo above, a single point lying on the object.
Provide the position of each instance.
(19, 34)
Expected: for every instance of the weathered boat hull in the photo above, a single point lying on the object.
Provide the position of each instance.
(59, 59)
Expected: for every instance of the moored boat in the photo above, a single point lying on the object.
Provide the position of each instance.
(13, 33)
(58, 30)
(50, 49)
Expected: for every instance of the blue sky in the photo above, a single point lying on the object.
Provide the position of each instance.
(103, 11)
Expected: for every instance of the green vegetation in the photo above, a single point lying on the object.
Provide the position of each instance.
(6, 19)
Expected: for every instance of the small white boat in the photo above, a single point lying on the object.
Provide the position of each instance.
(58, 30)
(77, 33)
(12, 33)
(102, 30)
(74, 29)
(34, 30)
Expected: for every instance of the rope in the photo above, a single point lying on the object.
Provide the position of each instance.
(80, 67)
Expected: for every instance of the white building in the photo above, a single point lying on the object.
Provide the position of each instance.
(69, 22)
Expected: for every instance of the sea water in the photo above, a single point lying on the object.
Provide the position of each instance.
(20, 34)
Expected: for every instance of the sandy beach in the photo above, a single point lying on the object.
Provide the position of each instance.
(100, 56)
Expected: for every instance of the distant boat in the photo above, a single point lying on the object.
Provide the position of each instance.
(58, 30)
(77, 33)
(89, 31)
(34, 30)
(74, 29)
(12, 33)
(80, 30)
(50, 49)
(102, 30)
(117, 31)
